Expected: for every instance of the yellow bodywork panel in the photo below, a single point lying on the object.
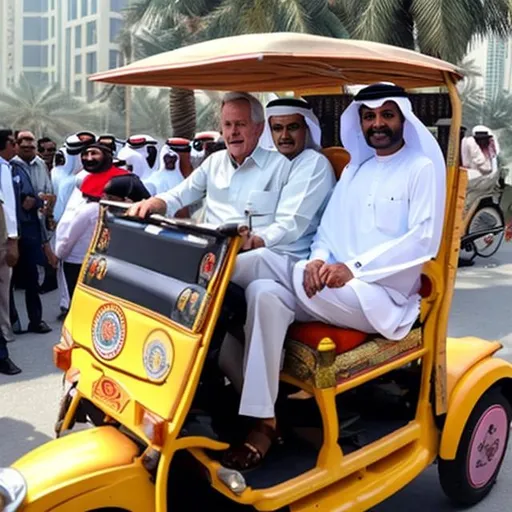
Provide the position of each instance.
(127, 370)
(466, 393)
(462, 354)
(103, 454)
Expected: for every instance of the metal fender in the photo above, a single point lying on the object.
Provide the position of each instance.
(87, 470)
(464, 397)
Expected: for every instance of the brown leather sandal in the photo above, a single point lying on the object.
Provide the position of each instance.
(250, 454)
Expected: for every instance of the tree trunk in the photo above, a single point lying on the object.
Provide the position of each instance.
(182, 106)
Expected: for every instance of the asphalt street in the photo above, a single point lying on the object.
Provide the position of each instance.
(481, 307)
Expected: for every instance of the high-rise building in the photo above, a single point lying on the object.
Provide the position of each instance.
(59, 41)
(89, 33)
(497, 50)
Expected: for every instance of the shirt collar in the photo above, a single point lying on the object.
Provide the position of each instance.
(4, 161)
(258, 156)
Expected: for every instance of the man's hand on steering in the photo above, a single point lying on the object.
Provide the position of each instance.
(146, 207)
(311, 279)
(335, 275)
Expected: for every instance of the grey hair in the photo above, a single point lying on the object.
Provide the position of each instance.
(257, 112)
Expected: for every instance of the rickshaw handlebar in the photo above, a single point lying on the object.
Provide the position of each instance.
(231, 229)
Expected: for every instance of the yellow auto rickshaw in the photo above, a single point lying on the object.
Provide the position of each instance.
(151, 294)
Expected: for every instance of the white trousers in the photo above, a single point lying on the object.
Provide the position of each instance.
(272, 305)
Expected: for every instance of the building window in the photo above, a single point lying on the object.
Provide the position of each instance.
(37, 78)
(72, 9)
(78, 64)
(53, 27)
(35, 29)
(78, 88)
(53, 5)
(92, 36)
(35, 5)
(90, 91)
(35, 56)
(53, 55)
(114, 59)
(91, 64)
(67, 73)
(117, 5)
(115, 28)
(84, 8)
(78, 37)
(94, 6)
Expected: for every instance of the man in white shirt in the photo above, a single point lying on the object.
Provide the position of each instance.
(383, 222)
(8, 246)
(247, 177)
(292, 128)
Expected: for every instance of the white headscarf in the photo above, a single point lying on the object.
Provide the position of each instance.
(314, 139)
(197, 156)
(483, 129)
(416, 135)
(164, 179)
(63, 179)
(166, 150)
(136, 160)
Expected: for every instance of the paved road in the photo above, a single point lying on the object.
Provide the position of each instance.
(482, 307)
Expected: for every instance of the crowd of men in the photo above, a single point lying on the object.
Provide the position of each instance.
(348, 254)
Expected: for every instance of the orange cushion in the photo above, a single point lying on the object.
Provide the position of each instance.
(312, 333)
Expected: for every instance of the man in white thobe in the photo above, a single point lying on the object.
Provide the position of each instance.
(246, 176)
(168, 175)
(383, 222)
(140, 154)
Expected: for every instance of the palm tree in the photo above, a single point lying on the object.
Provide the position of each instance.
(154, 26)
(441, 28)
(48, 111)
(149, 108)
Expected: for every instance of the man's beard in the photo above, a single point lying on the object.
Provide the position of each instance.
(97, 166)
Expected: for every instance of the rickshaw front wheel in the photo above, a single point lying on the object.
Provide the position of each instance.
(468, 478)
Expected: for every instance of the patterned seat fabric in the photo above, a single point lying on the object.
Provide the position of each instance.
(312, 333)
(326, 369)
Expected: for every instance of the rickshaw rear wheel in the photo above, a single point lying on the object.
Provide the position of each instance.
(468, 478)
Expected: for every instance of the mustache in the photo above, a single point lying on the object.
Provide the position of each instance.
(385, 131)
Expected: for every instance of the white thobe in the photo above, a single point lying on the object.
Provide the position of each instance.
(312, 180)
(163, 180)
(75, 231)
(285, 197)
(384, 232)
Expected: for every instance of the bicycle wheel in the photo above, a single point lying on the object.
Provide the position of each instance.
(488, 217)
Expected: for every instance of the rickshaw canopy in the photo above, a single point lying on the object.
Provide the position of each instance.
(282, 61)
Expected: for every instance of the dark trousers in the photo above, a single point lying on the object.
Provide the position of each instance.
(29, 280)
(71, 273)
(4, 354)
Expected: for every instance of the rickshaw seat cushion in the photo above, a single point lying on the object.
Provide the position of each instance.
(338, 157)
(323, 370)
(312, 333)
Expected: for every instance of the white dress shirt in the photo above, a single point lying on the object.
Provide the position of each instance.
(75, 231)
(284, 195)
(8, 199)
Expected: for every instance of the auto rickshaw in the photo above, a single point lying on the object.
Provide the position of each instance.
(150, 297)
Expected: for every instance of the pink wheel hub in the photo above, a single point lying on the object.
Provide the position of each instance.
(487, 445)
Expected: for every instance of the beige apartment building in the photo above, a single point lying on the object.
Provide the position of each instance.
(59, 41)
